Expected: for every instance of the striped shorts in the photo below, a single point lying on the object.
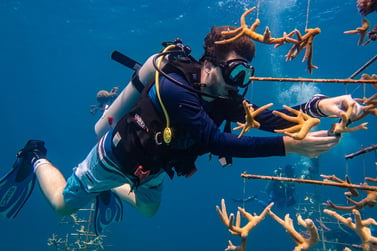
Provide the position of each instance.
(100, 172)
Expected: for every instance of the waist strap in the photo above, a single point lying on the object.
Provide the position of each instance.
(105, 153)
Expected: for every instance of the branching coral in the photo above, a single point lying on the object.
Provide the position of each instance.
(302, 242)
(250, 115)
(342, 126)
(360, 30)
(303, 41)
(236, 229)
(304, 123)
(361, 228)
(372, 35)
(352, 192)
(371, 105)
(370, 77)
(370, 199)
(250, 32)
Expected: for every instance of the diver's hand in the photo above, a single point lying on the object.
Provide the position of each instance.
(336, 106)
(314, 144)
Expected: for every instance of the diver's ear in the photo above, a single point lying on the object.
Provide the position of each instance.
(207, 66)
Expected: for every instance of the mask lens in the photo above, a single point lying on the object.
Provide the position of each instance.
(241, 73)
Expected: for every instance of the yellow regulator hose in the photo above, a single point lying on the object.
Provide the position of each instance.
(167, 134)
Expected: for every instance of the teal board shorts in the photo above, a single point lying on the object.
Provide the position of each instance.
(100, 172)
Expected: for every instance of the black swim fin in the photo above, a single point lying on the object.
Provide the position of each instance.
(17, 185)
(109, 209)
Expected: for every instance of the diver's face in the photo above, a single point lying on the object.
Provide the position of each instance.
(212, 76)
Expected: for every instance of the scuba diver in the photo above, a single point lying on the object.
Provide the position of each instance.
(282, 193)
(279, 192)
(175, 118)
(310, 169)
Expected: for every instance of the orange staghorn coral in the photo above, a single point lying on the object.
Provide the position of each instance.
(304, 123)
(236, 229)
(250, 115)
(250, 32)
(360, 30)
(370, 199)
(360, 227)
(303, 41)
(302, 243)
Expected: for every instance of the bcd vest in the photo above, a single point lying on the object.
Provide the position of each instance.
(139, 147)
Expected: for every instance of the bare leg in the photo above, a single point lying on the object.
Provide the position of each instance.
(146, 197)
(52, 183)
(146, 209)
(124, 192)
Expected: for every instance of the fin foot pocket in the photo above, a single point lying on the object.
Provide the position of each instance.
(18, 184)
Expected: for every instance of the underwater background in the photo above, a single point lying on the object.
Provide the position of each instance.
(55, 56)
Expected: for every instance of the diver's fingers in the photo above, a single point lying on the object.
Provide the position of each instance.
(314, 144)
(321, 140)
(320, 134)
(335, 106)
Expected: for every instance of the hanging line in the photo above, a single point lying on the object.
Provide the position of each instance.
(307, 15)
(346, 90)
(250, 99)
(250, 92)
(364, 90)
(258, 7)
(363, 67)
(362, 152)
(356, 89)
(244, 193)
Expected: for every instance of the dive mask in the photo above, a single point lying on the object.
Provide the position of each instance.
(237, 72)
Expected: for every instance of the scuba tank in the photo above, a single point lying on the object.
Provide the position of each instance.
(129, 95)
(144, 74)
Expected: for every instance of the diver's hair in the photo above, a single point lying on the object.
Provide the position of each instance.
(217, 53)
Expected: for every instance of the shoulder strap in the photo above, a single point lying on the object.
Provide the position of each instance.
(188, 66)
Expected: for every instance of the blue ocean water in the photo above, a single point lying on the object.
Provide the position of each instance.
(55, 56)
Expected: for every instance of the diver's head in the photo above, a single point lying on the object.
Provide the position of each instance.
(225, 66)
(217, 53)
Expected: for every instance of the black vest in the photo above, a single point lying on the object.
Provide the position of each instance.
(140, 131)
